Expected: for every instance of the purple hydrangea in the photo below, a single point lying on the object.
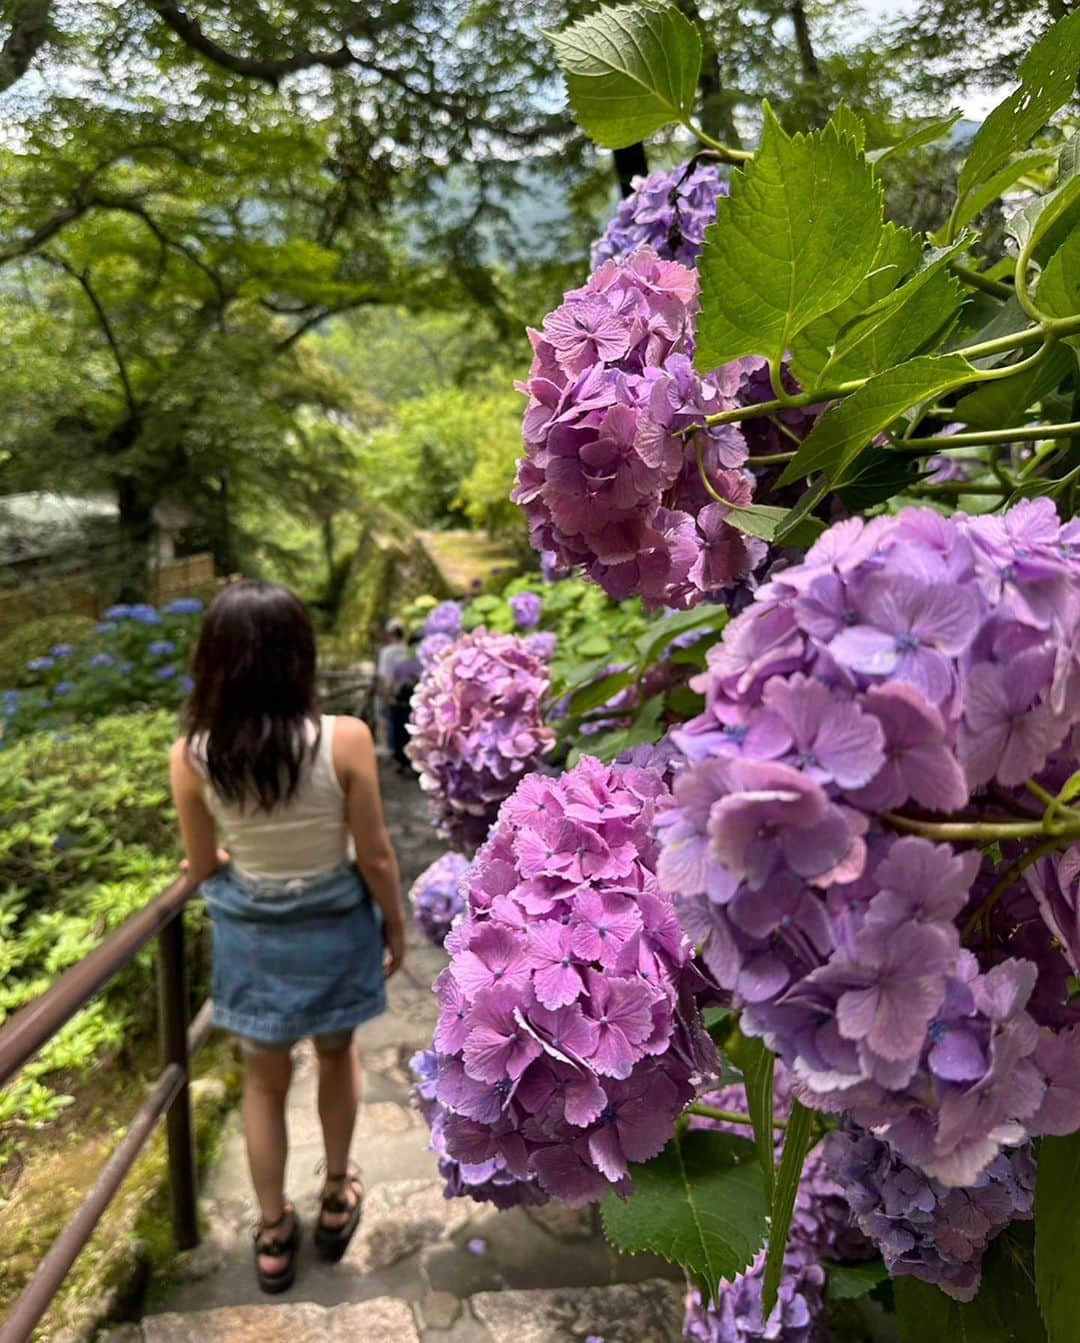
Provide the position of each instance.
(431, 647)
(736, 1315)
(476, 728)
(568, 1039)
(907, 662)
(607, 480)
(922, 1228)
(526, 607)
(542, 643)
(444, 619)
(667, 211)
(436, 895)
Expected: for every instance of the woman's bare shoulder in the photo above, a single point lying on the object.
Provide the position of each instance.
(351, 731)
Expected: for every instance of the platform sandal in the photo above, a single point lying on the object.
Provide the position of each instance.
(331, 1241)
(276, 1248)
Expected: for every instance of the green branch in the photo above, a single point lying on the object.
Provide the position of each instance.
(978, 832)
(941, 443)
(977, 280)
(723, 152)
(727, 1116)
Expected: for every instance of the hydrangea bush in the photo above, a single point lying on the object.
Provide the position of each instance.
(436, 896)
(846, 446)
(476, 729)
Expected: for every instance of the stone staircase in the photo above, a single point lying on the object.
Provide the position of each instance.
(422, 1269)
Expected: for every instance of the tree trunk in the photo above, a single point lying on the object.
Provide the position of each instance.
(630, 163)
(808, 60)
(135, 534)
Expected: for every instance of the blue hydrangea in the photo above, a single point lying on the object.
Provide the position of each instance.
(105, 626)
(101, 660)
(187, 685)
(165, 673)
(63, 687)
(62, 650)
(144, 614)
(161, 647)
(121, 612)
(183, 606)
(40, 664)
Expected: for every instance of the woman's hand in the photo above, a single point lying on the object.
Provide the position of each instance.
(394, 942)
(222, 857)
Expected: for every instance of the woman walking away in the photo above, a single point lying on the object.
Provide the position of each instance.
(306, 904)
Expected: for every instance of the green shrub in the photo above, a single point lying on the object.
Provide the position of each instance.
(30, 639)
(89, 837)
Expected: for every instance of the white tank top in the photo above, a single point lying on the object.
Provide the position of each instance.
(300, 838)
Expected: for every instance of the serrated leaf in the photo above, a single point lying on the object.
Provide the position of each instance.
(1039, 216)
(630, 69)
(797, 1138)
(1057, 1235)
(770, 265)
(846, 428)
(844, 121)
(800, 514)
(1047, 78)
(847, 1282)
(898, 253)
(925, 134)
(900, 324)
(1058, 294)
(1005, 400)
(1004, 1311)
(693, 1206)
(659, 637)
(987, 192)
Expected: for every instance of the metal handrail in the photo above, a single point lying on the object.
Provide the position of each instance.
(32, 1028)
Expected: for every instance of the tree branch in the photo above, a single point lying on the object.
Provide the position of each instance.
(106, 326)
(31, 28)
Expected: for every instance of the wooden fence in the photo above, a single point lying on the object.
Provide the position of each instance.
(77, 595)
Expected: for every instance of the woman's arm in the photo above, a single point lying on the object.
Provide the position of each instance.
(196, 822)
(354, 763)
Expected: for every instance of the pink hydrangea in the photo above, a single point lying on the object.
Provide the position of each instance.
(476, 728)
(568, 1040)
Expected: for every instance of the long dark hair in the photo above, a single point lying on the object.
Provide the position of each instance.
(254, 693)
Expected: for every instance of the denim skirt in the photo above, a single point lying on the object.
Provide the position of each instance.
(297, 956)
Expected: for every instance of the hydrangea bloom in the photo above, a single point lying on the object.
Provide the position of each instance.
(183, 606)
(607, 480)
(61, 650)
(736, 1315)
(444, 619)
(160, 647)
(868, 678)
(101, 660)
(526, 608)
(476, 728)
(667, 211)
(922, 1228)
(436, 895)
(568, 1040)
(40, 664)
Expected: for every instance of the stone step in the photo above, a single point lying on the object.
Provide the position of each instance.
(643, 1312)
(383, 1318)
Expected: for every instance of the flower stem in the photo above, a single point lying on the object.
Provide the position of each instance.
(978, 832)
(1000, 887)
(977, 280)
(1020, 432)
(770, 459)
(727, 1116)
(724, 152)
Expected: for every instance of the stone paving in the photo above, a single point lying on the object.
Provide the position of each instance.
(422, 1269)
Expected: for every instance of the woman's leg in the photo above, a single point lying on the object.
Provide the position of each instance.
(339, 1096)
(267, 1074)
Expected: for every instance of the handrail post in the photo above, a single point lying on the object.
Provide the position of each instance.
(173, 1007)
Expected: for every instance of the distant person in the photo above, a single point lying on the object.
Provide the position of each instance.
(394, 651)
(405, 675)
(305, 933)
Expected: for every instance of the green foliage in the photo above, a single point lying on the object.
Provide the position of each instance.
(1057, 1236)
(798, 1140)
(847, 1282)
(756, 1063)
(630, 70)
(30, 638)
(89, 836)
(815, 260)
(1004, 1311)
(700, 1204)
(138, 658)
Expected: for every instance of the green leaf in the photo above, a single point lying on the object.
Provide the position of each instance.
(876, 474)
(1034, 160)
(660, 636)
(1047, 78)
(757, 1063)
(694, 1206)
(593, 696)
(901, 323)
(801, 512)
(1057, 1236)
(925, 134)
(596, 645)
(844, 121)
(898, 253)
(1070, 788)
(1039, 216)
(1005, 400)
(800, 1131)
(1058, 294)
(629, 70)
(770, 266)
(1004, 1311)
(846, 428)
(846, 1282)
